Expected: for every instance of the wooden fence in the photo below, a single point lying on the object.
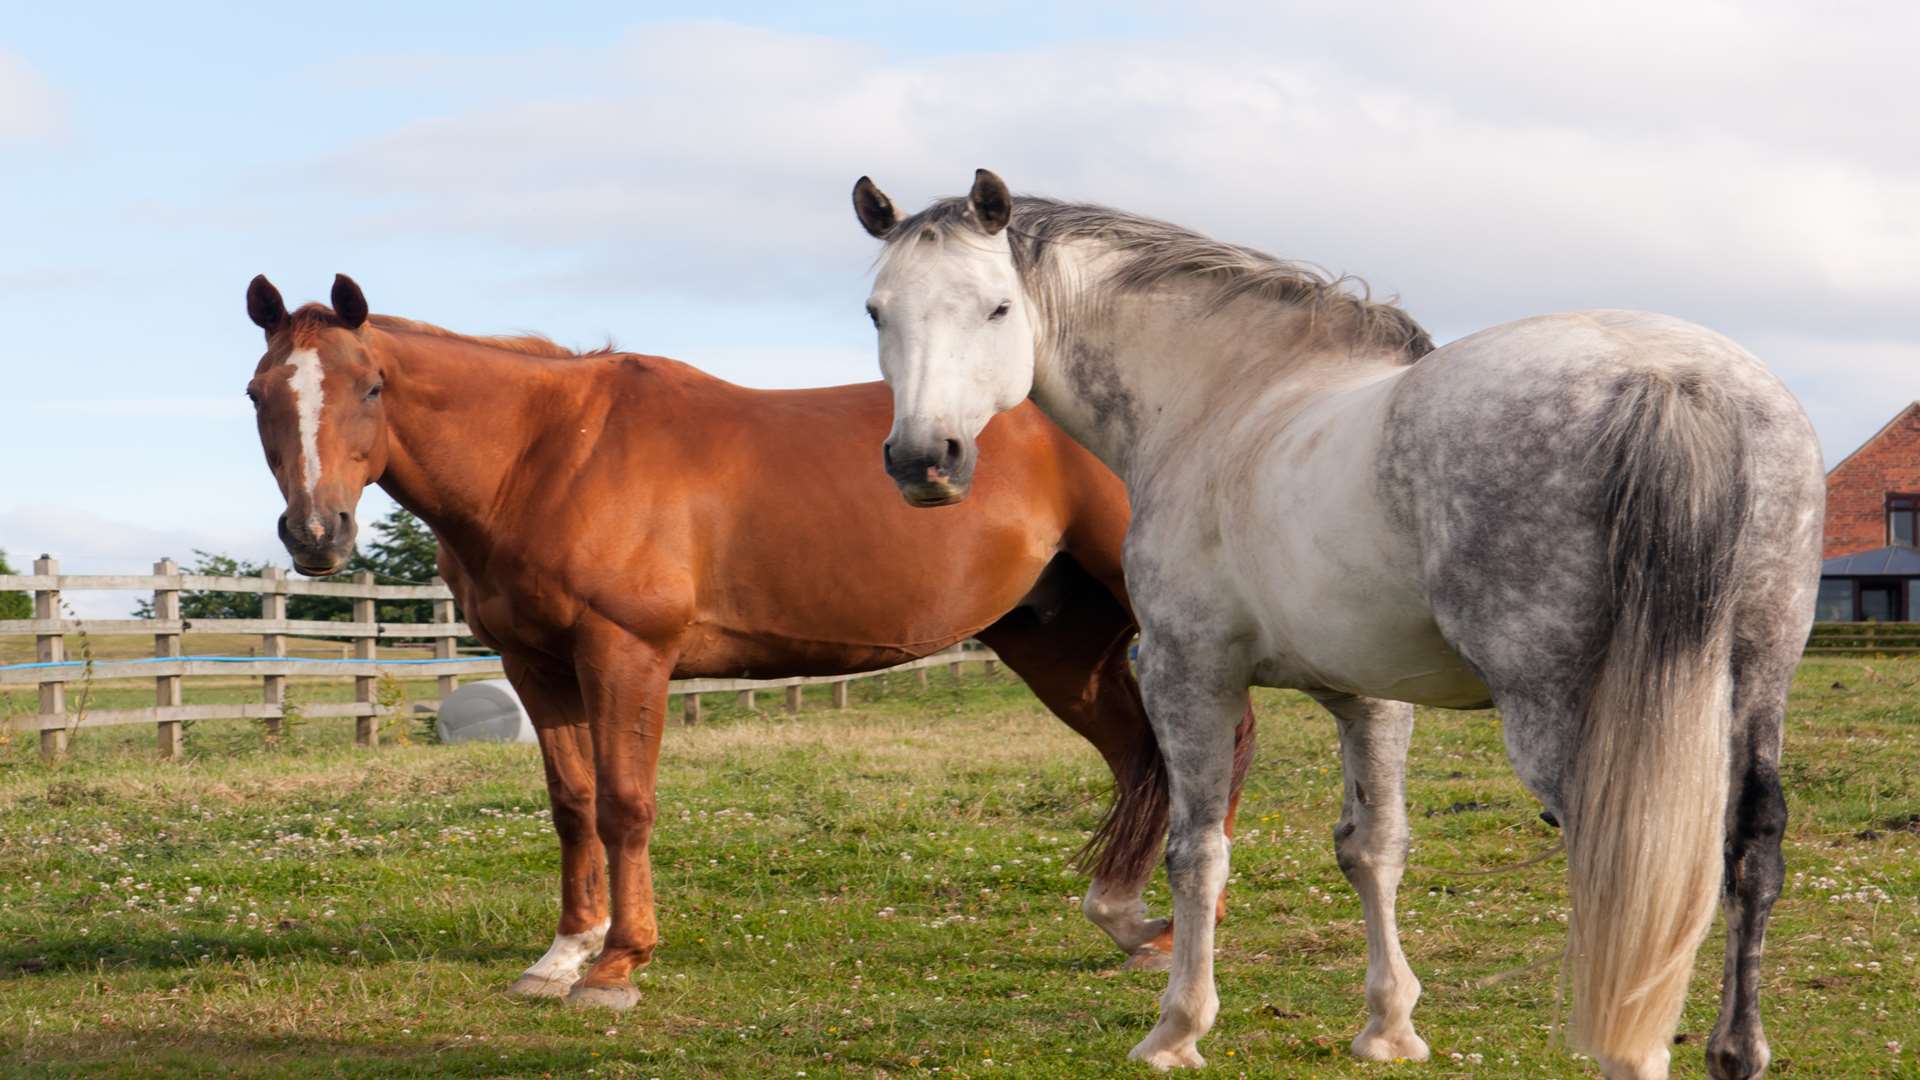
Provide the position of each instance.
(1864, 639)
(53, 671)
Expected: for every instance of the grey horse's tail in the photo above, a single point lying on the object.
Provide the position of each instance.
(1648, 793)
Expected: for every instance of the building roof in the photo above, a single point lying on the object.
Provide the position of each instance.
(1896, 561)
(1884, 428)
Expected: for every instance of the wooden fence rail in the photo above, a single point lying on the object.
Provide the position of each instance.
(53, 672)
(1864, 639)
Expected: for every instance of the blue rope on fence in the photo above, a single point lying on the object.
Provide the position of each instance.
(237, 660)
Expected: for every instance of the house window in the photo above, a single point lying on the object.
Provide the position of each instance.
(1903, 520)
(1879, 602)
(1836, 600)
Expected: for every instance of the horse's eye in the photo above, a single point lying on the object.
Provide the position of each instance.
(1001, 311)
(253, 397)
(873, 313)
(373, 392)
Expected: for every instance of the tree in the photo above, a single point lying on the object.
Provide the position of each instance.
(402, 552)
(13, 605)
(214, 605)
(403, 549)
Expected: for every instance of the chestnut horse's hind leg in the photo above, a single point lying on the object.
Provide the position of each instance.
(624, 687)
(1076, 664)
(566, 751)
(1072, 653)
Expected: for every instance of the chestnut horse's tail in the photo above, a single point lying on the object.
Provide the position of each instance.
(1129, 839)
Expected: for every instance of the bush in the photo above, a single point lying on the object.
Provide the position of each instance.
(13, 605)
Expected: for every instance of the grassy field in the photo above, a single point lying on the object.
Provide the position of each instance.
(880, 892)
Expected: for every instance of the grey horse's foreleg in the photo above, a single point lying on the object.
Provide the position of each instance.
(1370, 843)
(1194, 713)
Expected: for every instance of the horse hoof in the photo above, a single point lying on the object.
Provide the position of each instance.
(1172, 1057)
(617, 998)
(1729, 1058)
(1404, 1047)
(1148, 958)
(540, 986)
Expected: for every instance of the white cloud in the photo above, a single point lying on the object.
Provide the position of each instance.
(1742, 165)
(1849, 388)
(715, 160)
(29, 108)
(172, 407)
(788, 366)
(89, 543)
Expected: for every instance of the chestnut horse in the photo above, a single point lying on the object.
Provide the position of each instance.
(610, 521)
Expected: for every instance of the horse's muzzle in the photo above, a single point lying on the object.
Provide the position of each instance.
(931, 472)
(320, 543)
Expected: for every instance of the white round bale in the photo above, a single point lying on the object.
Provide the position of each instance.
(486, 711)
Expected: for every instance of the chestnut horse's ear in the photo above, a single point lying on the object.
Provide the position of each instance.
(873, 208)
(991, 201)
(349, 303)
(264, 305)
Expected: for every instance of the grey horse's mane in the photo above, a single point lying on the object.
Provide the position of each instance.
(1154, 253)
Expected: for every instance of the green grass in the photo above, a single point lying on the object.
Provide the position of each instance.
(880, 892)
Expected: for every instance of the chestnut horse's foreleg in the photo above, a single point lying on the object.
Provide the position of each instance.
(624, 688)
(566, 751)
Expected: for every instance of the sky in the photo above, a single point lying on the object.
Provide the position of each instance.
(675, 177)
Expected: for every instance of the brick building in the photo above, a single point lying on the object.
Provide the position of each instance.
(1873, 528)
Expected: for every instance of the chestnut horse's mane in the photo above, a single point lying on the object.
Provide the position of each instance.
(318, 316)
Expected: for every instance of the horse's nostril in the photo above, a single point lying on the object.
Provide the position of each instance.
(886, 452)
(953, 451)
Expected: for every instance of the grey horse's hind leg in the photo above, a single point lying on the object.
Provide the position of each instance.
(1370, 843)
(1756, 821)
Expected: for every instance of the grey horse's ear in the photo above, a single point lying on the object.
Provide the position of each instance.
(873, 208)
(991, 201)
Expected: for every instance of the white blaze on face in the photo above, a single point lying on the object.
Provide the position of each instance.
(307, 399)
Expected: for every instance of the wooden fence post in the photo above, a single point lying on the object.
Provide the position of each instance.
(920, 675)
(366, 729)
(793, 698)
(273, 607)
(954, 670)
(166, 688)
(990, 667)
(443, 646)
(745, 699)
(690, 708)
(50, 649)
(840, 693)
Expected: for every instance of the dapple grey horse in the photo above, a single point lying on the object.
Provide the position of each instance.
(1605, 523)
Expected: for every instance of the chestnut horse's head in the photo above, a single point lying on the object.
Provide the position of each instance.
(316, 397)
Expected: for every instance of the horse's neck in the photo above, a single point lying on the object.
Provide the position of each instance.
(456, 430)
(1137, 375)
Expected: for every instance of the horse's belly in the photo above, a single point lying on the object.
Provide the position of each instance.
(1387, 652)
